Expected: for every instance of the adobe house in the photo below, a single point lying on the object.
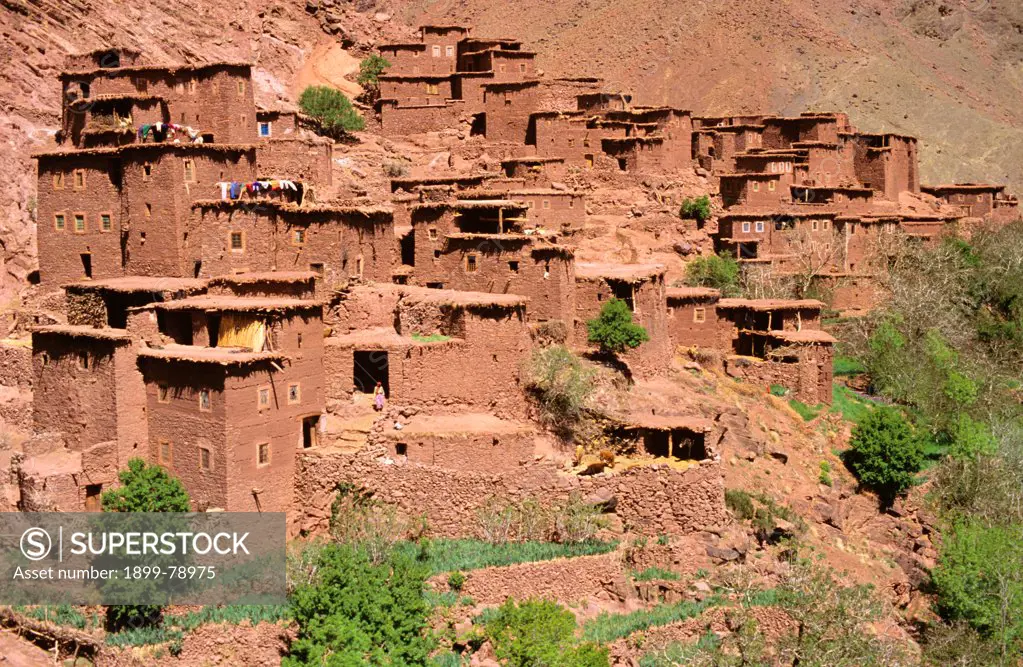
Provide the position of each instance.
(87, 389)
(801, 361)
(782, 132)
(753, 189)
(449, 441)
(214, 98)
(110, 120)
(105, 303)
(886, 163)
(566, 135)
(536, 171)
(552, 209)
(406, 57)
(562, 93)
(693, 318)
(505, 64)
(768, 315)
(417, 342)
(641, 287)
(400, 117)
(416, 89)
(683, 438)
(714, 147)
(335, 242)
(508, 107)
(298, 157)
(109, 212)
(594, 102)
(978, 200)
(765, 234)
(268, 284)
(442, 46)
(233, 390)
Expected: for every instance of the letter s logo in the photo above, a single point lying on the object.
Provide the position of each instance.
(36, 544)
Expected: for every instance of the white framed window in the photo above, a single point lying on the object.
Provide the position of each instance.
(449, 51)
(700, 315)
(436, 51)
(760, 226)
(745, 228)
(264, 129)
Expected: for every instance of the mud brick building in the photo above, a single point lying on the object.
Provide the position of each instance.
(976, 200)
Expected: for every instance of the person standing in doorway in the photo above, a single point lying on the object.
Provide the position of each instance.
(378, 397)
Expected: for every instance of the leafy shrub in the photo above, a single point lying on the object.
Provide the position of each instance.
(395, 168)
(561, 385)
(539, 632)
(614, 329)
(146, 488)
(695, 209)
(331, 109)
(885, 453)
(740, 503)
(370, 70)
(825, 474)
(979, 579)
(456, 580)
(356, 518)
(717, 271)
(359, 612)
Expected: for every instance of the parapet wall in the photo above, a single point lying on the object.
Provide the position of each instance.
(654, 500)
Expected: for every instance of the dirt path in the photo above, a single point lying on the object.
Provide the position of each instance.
(328, 65)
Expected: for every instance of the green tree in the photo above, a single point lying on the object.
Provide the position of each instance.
(331, 109)
(717, 271)
(885, 453)
(540, 633)
(979, 579)
(695, 209)
(614, 329)
(355, 612)
(370, 70)
(561, 385)
(146, 488)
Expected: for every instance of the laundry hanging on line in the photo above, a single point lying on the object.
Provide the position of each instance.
(234, 189)
(163, 131)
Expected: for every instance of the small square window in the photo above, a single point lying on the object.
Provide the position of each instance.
(263, 454)
(149, 210)
(513, 266)
(106, 223)
(760, 226)
(162, 393)
(263, 400)
(700, 315)
(449, 51)
(436, 254)
(756, 186)
(189, 171)
(79, 179)
(294, 393)
(237, 241)
(770, 186)
(745, 228)
(297, 236)
(79, 223)
(471, 263)
(433, 234)
(264, 129)
(58, 180)
(241, 87)
(59, 222)
(522, 67)
(204, 400)
(546, 203)
(166, 453)
(204, 459)
(813, 225)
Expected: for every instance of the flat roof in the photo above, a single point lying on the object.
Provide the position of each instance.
(129, 284)
(963, 187)
(693, 293)
(374, 211)
(158, 69)
(237, 303)
(378, 338)
(531, 159)
(413, 77)
(252, 277)
(222, 356)
(458, 298)
(162, 146)
(630, 272)
(79, 331)
(466, 423)
(668, 422)
(763, 305)
(418, 46)
(468, 204)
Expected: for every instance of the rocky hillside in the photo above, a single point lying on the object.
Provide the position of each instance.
(948, 71)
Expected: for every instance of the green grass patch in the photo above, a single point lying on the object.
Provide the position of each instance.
(847, 366)
(175, 627)
(431, 338)
(464, 555)
(609, 627)
(849, 404)
(807, 412)
(655, 573)
(778, 390)
(63, 615)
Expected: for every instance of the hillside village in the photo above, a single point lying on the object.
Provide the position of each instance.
(217, 294)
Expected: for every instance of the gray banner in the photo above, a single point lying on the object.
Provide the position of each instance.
(113, 558)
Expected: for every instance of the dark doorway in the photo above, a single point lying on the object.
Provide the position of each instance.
(93, 493)
(657, 443)
(624, 292)
(479, 125)
(197, 268)
(368, 368)
(310, 431)
(408, 249)
(688, 445)
(87, 264)
(213, 329)
(623, 164)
